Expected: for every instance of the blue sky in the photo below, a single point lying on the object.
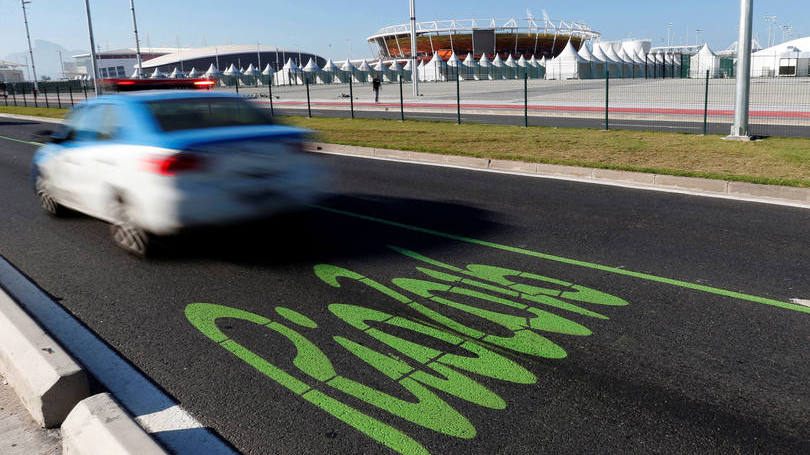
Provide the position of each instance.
(328, 27)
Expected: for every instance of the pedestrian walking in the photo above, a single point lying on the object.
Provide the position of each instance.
(375, 85)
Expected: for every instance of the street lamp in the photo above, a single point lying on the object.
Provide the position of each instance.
(414, 70)
(92, 47)
(137, 41)
(30, 51)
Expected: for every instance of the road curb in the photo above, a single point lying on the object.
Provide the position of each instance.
(32, 118)
(45, 377)
(797, 197)
(99, 426)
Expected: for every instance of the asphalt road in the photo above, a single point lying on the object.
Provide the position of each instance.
(631, 321)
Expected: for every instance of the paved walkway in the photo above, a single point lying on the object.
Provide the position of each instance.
(19, 434)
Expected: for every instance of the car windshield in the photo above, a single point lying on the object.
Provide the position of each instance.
(199, 113)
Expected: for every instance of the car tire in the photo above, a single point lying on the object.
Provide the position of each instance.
(46, 199)
(126, 234)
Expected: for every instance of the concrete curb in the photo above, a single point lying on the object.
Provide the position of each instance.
(798, 197)
(33, 118)
(45, 377)
(99, 426)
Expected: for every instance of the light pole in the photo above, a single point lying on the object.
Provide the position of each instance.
(30, 51)
(739, 130)
(697, 35)
(414, 70)
(137, 41)
(92, 47)
(771, 20)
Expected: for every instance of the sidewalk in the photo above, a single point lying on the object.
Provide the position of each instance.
(19, 434)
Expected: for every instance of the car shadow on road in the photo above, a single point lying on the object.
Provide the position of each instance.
(346, 226)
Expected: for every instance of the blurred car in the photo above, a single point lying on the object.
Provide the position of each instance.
(154, 163)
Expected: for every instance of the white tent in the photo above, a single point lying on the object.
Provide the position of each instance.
(436, 69)
(484, 67)
(407, 71)
(597, 66)
(537, 70)
(252, 74)
(134, 74)
(612, 67)
(635, 68)
(232, 71)
(396, 72)
(176, 74)
(669, 66)
(639, 58)
(676, 65)
(626, 67)
(705, 60)
(267, 74)
(290, 74)
(469, 67)
(347, 72)
(523, 70)
(510, 69)
(381, 71)
(420, 71)
(194, 74)
(364, 72)
(660, 65)
(213, 72)
(568, 65)
(497, 70)
(328, 72)
(157, 74)
(311, 71)
(454, 67)
(791, 58)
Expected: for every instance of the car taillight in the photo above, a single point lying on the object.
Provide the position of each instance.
(173, 164)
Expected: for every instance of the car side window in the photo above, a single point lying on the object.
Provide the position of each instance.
(109, 127)
(88, 122)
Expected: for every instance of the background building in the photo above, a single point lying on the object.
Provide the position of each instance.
(11, 72)
(222, 57)
(114, 63)
(538, 37)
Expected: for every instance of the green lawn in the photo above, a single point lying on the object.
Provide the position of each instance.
(776, 161)
(34, 111)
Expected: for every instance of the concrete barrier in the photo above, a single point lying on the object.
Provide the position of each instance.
(44, 376)
(99, 426)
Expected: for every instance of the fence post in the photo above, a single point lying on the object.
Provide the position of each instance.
(706, 106)
(458, 101)
(34, 93)
(84, 87)
(70, 90)
(45, 93)
(401, 102)
(270, 93)
(607, 100)
(526, 99)
(25, 99)
(237, 84)
(58, 97)
(351, 96)
(14, 96)
(309, 106)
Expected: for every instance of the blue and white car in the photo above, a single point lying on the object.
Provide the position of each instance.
(154, 163)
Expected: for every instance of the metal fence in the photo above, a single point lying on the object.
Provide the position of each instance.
(780, 106)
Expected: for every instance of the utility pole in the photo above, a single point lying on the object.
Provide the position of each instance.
(697, 35)
(771, 20)
(739, 131)
(414, 70)
(92, 47)
(669, 34)
(135, 28)
(30, 51)
(62, 65)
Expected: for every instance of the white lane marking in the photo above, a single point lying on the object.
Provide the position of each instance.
(171, 419)
(801, 302)
(133, 390)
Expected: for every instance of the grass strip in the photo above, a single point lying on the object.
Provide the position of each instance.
(773, 161)
(51, 112)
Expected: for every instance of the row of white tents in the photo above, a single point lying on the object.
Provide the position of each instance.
(598, 63)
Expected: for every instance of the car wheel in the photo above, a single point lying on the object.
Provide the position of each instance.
(126, 234)
(46, 199)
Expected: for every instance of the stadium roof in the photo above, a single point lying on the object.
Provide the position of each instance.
(131, 50)
(7, 64)
(203, 52)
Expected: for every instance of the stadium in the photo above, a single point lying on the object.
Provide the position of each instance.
(540, 38)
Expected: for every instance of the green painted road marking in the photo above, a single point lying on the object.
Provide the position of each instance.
(21, 141)
(549, 257)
